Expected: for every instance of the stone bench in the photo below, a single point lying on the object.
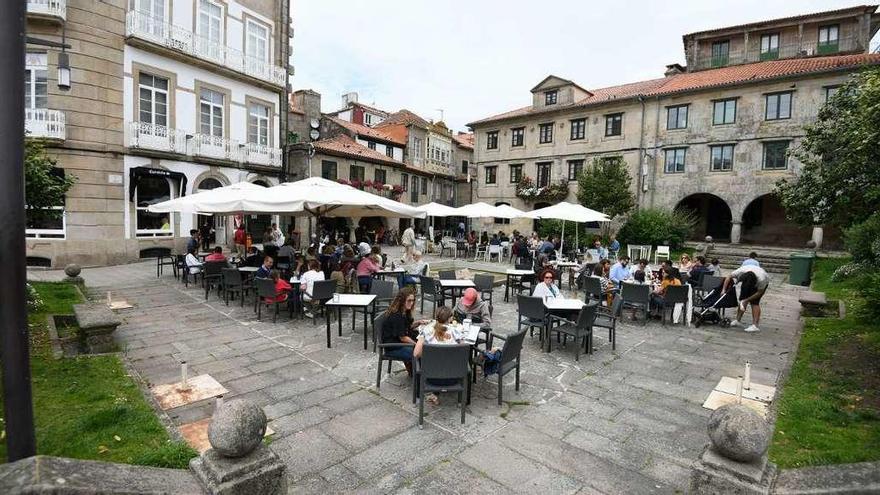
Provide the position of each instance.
(813, 303)
(97, 324)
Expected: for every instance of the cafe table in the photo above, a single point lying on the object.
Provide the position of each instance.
(454, 286)
(514, 276)
(560, 304)
(340, 301)
(395, 273)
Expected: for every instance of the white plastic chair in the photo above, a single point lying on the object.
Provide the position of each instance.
(633, 251)
(494, 250)
(662, 251)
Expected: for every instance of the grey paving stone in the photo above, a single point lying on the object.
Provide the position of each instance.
(515, 471)
(451, 476)
(411, 449)
(307, 452)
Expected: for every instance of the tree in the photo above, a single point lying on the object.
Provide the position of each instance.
(605, 187)
(44, 188)
(840, 179)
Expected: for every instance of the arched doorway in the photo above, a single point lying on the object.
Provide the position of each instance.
(712, 214)
(536, 222)
(764, 222)
(257, 224)
(215, 224)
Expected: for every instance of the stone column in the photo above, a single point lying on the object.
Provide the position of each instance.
(735, 232)
(238, 463)
(818, 235)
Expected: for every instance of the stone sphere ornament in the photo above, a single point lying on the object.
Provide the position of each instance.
(739, 432)
(709, 239)
(237, 428)
(72, 270)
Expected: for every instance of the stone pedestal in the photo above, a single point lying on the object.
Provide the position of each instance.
(259, 473)
(97, 324)
(735, 232)
(818, 235)
(72, 271)
(716, 474)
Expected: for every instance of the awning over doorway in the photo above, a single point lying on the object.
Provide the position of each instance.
(135, 174)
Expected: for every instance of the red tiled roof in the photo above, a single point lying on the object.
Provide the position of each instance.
(347, 147)
(859, 8)
(368, 132)
(405, 117)
(464, 139)
(705, 79)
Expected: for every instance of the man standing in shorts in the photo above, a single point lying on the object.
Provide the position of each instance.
(754, 281)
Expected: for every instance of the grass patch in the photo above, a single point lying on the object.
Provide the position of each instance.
(89, 407)
(829, 410)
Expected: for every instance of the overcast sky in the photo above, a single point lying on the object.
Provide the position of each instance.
(477, 58)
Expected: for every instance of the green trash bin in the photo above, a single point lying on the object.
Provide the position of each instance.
(801, 268)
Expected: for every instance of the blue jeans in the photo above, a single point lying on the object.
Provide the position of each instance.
(402, 353)
(365, 283)
(405, 280)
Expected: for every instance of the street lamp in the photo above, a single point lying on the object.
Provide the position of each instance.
(64, 70)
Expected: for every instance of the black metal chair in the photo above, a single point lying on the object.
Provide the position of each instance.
(581, 330)
(164, 260)
(447, 246)
(381, 347)
(485, 285)
(607, 318)
(233, 284)
(511, 356)
(675, 294)
(212, 275)
(446, 274)
(637, 297)
(531, 315)
(322, 291)
(431, 292)
(265, 297)
(593, 289)
(447, 363)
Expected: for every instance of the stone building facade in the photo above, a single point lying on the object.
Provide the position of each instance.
(712, 140)
(166, 98)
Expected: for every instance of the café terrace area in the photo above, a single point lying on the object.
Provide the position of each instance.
(629, 420)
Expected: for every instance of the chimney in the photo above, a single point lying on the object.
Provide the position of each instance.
(673, 69)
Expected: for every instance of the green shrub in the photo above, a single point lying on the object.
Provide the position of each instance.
(863, 240)
(869, 290)
(657, 227)
(552, 227)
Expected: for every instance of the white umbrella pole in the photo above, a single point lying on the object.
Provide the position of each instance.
(562, 240)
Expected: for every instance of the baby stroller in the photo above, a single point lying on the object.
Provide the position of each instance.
(709, 309)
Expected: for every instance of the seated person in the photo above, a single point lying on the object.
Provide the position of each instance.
(484, 238)
(192, 244)
(307, 285)
(436, 332)
(287, 250)
(619, 272)
(715, 267)
(546, 287)
(369, 265)
(282, 288)
(253, 257)
(547, 246)
(471, 306)
(216, 256)
(193, 263)
(412, 270)
(670, 277)
(399, 326)
(641, 273)
(495, 241)
(364, 247)
(265, 270)
(685, 263)
(604, 282)
(601, 251)
(698, 269)
(311, 253)
(503, 237)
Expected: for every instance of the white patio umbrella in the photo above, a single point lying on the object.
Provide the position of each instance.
(568, 212)
(437, 210)
(232, 194)
(507, 211)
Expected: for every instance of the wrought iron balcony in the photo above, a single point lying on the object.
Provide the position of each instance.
(146, 27)
(783, 51)
(48, 8)
(43, 123)
(165, 139)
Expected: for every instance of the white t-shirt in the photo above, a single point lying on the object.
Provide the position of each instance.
(308, 279)
(763, 278)
(427, 332)
(543, 290)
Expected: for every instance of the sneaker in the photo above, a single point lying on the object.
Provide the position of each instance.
(735, 323)
(308, 314)
(752, 329)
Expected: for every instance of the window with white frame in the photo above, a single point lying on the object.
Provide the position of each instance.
(211, 112)
(152, 99)
(258, 124)
(210, 24)
(49, 223)
(257, 41)
(152, 8)
(149, 191)
(35, 76)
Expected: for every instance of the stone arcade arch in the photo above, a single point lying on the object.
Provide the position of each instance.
(714, 217)
(764, 222)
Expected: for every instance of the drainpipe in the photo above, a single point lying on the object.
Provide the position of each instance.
(641, 170)
(656, 149)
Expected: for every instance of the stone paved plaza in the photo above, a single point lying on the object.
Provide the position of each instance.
(624, 421)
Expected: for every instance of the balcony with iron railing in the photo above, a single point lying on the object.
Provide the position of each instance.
(143, 26)
(44, 123)
(784, 51)
(151, 137)
(50, 9)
